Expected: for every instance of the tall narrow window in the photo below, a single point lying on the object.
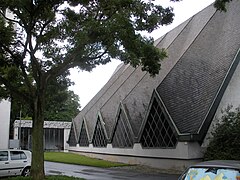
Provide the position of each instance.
(122, 137)
(99, 138)
(72, 138)
(83, 139)
(157, 132)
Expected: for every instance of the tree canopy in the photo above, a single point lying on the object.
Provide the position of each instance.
(61, 104)
(40, 40)
(221, 4)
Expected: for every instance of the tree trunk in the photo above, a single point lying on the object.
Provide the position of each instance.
(37, 169)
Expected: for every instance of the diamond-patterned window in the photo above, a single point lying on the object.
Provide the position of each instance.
(122, 137)
(83, 138)
(99, 138)
(157, 132)
(72, 138)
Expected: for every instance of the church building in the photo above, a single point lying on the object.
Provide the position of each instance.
(165, 121)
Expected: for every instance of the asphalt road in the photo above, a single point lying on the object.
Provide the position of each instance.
(93, 173)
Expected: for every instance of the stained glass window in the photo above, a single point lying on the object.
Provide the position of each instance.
(83, 139)
(122, 137)
(157, 132)
(72, 138)
(99, 138)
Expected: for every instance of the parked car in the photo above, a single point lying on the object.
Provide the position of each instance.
(213, 170)
(15, 162)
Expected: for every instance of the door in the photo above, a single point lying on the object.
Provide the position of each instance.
(18, 160)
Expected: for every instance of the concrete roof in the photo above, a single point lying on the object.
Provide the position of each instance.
(47, 124)
(201, 52)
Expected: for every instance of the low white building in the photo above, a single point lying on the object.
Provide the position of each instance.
(55, 134)
(5, 107)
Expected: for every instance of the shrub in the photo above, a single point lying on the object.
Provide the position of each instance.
(225, 143)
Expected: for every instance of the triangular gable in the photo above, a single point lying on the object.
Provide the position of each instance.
(83, 137)
(72, 136)
(122, 136)
(157, 130)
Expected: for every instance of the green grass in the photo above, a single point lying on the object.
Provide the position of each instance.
(71, 158)
(47, 178)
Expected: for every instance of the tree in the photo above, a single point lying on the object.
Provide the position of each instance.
(221, 4)
(61, 103)
(225, 141)
(45, 38)
(62, 106)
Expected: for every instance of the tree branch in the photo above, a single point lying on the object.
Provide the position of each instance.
(8, 19)
(41, 34)
(70, 62)
(20, 18)
(19, 61)
(25, 49)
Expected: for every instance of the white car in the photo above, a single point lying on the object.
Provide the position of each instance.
(15, 162)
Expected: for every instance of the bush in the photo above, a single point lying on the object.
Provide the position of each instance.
(225, 143)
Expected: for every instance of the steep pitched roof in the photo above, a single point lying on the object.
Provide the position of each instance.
(193, 85)
(201, 54)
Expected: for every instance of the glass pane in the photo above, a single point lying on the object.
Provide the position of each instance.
(3, 155)
(72, 140)
(23, 155)
(122, 137)
(99, 139)
(83, 139)
(17, 155)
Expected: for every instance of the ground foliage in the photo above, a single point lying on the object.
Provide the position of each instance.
(225, 140)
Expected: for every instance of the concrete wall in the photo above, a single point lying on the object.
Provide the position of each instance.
(5, 107)
(173, 166)
(176, 159)
(66, 135)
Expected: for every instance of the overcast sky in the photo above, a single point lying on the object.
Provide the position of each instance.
(87, 84)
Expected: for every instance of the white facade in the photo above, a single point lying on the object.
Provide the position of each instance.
(5, 107)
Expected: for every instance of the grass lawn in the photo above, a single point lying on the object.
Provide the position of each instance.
(71, 158)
